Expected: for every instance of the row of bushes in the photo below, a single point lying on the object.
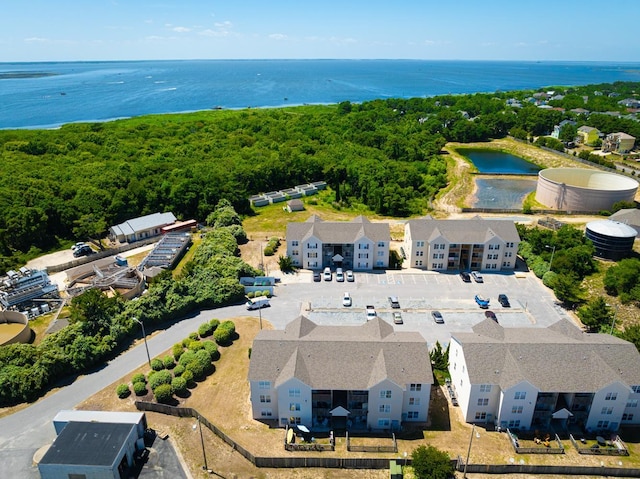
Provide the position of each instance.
(272, 246)
(256, 294)
(191, 361)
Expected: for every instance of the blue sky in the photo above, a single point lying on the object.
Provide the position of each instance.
(65, 30)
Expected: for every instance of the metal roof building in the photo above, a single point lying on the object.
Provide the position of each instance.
(140, 228)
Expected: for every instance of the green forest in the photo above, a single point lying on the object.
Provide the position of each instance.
(72, 183)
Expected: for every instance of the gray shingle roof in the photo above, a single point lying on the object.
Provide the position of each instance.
(154, 220)
(340, 357)
(469, 231)
(560, 358)
(339, 232)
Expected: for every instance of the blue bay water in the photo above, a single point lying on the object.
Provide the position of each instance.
(492, 161)
(99, 91)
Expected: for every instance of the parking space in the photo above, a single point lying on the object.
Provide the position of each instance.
(532, 304)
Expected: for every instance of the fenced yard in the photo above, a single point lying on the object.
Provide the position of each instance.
(371, 444)
(535, 443)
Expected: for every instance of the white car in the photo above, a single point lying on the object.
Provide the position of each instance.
(339, 275)
(477, 276)
(350, 277)
(346, 299)
(327, 275)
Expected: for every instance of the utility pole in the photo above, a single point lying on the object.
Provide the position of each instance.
(464, 474)
(144, 336)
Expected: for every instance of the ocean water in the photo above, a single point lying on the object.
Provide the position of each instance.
(44, 95)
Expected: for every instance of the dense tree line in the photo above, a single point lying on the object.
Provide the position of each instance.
(100, 325)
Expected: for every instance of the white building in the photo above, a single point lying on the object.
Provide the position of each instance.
(358, 244)
(530, 378)
(471, 244)
(140, 228)
(335, 377)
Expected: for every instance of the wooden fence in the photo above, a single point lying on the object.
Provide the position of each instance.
(618, 448)
(513, 439)
(375, 448)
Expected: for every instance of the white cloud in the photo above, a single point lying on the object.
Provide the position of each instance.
(181, 29)
(37, 40)
(221, 29)
(277, 36)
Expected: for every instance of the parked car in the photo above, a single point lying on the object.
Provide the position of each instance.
(346, 299)
(482, 301)
(316, 276)
(339, 275)
(258, 303)
(84, 250)
(78, 245)
(491, 315)
(437, 317)
(504, 300)
(394, 302)
(350, 277)
(327, 275)
(465, 277)
(477, 277)
(371, 312)
(397, 317)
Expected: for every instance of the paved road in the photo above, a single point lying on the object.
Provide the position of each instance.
(24, 432)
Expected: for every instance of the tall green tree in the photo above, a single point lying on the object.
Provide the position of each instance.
(431, 463)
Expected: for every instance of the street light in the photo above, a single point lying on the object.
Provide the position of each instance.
(613, 322)
(464, 474)
(144, 336)
(553, 248)
(204, 454)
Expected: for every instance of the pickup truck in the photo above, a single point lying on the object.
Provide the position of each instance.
(371, 312)
(482, 301)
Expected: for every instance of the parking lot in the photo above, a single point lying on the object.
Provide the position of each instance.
(532, 304)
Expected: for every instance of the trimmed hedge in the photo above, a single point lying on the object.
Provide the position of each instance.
(163, 393)
(140, 388)
(157, 364)
(168, 362)
(123, 391)
(158, 378)
(139, 378)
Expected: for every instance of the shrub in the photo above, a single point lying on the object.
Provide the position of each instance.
(177, 350)
(197, 369)
(168, 362)
(163, 393)
(186, 341)
(140, 388)
(193, 336)
(205, 330)
(225, 333)
(250, 294)
(157, 364)
(214, 324)
(204, 357)
(178, 370)
(139, 378)
(187, 375)
(212, 349)
(187, 357)
(195, 346)
(179, 385)
(123, 391)
(159, 378)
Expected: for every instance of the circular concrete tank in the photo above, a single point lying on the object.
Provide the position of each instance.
(581, 189)
(14, 328)
(612, 239)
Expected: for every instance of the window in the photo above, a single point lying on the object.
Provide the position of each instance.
(611, 397)
(516, 410)
(266, 413)
(627, 417)
(505, 264)
(363, 255)
(440, 256)
(420, 253)
(435, 255)
(384, 408)
(264, 384)
(513, 424)
(295, 420)
(483, 401)
(412, 415)
(363, 246)
(481, 416)
(632, 403)
(420, 244)
(636, 389)
(380, 253)
(385, 394)
(294, 393)
(294, 243)
(484, 388)
(509, 245)
(384, 422)
(418, 262)
(379, 263)
(606, 410)
(312, 246)
(494, 266)
(380, 244)
(295, 252)
(414, 401)
(490, 246)
(520, 395)
(603, 424)
(265, 398)
(497, 247)
(312, 254)
(294, 406)
(415, 387)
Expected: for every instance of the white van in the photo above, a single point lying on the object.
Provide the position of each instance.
(258, 303)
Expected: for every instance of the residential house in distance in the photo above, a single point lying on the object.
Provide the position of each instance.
(531, 378)
(336, 377)
(588, 135)
(618, 142)
(358, 244)
(470, 244)
(141, 228)
(558, 128)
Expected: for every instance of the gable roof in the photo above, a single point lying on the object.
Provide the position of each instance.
(135, 225)
(340, 357)
(340, 232)
(468, 231)
(559, 358)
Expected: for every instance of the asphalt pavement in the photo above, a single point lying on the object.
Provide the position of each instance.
(533, 305)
